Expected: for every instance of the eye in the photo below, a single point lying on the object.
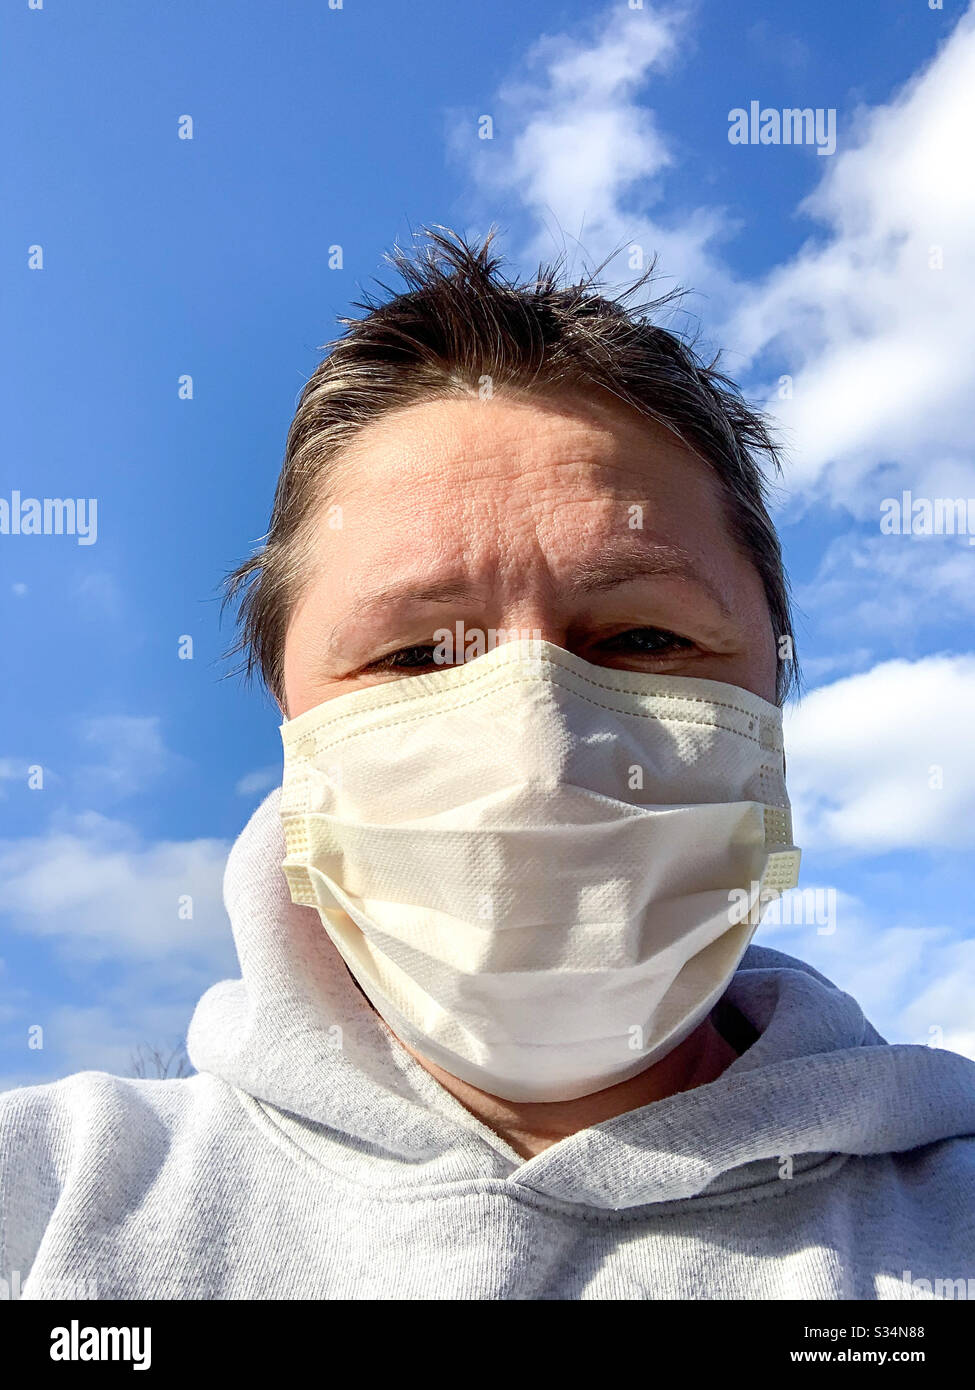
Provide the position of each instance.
(647, 641)
(407, 659)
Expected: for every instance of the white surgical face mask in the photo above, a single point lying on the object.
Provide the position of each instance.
(542, 873)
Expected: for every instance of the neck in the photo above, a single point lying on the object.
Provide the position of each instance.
(531, 1128)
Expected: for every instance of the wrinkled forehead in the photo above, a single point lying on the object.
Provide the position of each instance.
(518, 476)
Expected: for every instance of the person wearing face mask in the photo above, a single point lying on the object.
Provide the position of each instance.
(500, 1031)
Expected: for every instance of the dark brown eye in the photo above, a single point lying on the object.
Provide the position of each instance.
(647, 641)
(405, 659)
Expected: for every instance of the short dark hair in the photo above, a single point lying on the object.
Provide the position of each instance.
(461, 320)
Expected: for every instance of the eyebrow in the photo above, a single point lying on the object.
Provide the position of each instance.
(608, 569)
(450, 591)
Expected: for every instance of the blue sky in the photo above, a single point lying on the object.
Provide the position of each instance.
(840, 286)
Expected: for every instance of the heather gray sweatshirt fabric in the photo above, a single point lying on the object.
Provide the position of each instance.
(312, 1157)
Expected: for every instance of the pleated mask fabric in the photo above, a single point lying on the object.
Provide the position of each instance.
(542, 873)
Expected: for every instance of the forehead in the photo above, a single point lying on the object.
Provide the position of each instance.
(557, 459)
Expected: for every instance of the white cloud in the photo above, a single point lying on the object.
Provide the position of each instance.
(942, 1009)
(125, 754)
(879, 343)
(574, 144)
(891, 587)
(260, 781)
(110, 908)
(914, 983)
(864, 753)
(103, 1036)
(104, 893)
(111, 911)
(130, 751)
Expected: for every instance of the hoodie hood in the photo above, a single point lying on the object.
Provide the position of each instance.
(294, 1033)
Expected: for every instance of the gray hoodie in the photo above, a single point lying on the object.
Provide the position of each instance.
(313, 1157)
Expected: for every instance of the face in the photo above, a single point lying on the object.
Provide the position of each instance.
(573, 521)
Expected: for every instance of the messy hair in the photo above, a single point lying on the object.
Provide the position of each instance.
(461, 320)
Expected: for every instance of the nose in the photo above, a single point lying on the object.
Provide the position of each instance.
(530, 619)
